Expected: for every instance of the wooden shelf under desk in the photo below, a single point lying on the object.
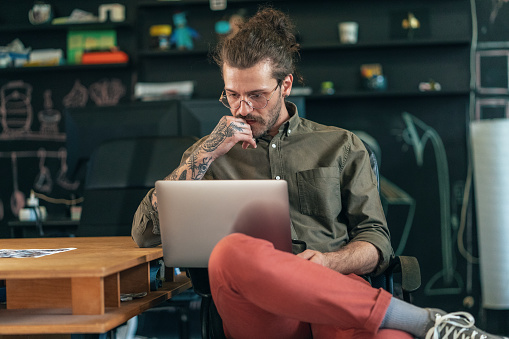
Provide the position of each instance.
(61, 320)
(78, 291)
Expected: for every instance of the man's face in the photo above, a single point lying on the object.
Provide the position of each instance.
(254, 81)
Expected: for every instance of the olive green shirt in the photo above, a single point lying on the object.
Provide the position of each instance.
(332, 189)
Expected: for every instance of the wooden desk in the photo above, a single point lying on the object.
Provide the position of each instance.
(78, 291)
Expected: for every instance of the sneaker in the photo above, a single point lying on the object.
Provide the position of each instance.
(457, 325)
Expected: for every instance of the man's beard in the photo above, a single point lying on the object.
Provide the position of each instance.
(273, 116)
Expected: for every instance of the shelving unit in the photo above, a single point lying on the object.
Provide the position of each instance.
(62, 68)
(18, 28)
(15, 25)
(321, 50)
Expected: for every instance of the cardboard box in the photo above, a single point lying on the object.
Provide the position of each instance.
(79, 41)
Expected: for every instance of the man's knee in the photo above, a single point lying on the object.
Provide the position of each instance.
(225, 254)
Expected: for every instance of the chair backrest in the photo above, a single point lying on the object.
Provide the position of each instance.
(119, 174)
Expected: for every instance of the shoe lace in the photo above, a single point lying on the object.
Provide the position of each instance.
(458, 322)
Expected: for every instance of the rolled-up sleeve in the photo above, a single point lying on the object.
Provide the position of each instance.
(363, 206)
(145, 229)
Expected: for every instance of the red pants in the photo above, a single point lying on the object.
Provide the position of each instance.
(261, 292)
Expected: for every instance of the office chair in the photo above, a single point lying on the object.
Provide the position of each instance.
(119, 174)
(406, 268)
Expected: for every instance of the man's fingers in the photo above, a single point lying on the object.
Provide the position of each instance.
(250, 142)
(307, 254)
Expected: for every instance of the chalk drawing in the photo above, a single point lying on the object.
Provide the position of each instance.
(77, 97)
(496, 5)
(106, 92)
(43, 181)
(62, 179)
(17, 197)
(17, 114)
(451, 281)
(49, 117)
(16, 107)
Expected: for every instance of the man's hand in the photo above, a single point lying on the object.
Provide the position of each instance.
(357, 257)
(228, 132)
(314, 256)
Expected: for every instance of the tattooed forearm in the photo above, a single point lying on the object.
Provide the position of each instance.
(219, 134)
(154, 200)
(198, 169)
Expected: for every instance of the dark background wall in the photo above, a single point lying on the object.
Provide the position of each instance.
(422, 136)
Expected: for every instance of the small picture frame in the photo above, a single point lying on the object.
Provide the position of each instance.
(491, 108)
(492, 71)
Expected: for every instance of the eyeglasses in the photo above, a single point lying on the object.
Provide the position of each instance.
(256, 101)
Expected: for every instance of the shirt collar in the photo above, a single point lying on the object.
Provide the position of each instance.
(291, 124)
(288, 126)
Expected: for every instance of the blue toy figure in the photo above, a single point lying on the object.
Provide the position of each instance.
(182, 36)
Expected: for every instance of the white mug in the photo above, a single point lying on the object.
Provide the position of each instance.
(348, 32)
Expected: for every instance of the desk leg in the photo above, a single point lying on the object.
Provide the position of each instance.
(112, 290)
(87, 296)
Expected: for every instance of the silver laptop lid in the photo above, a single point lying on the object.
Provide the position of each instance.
(195, 215)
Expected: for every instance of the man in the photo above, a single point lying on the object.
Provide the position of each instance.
(334, 207)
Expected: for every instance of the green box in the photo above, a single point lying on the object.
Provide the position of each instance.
(78, 41)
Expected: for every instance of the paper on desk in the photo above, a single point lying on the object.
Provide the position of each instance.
(31, 253)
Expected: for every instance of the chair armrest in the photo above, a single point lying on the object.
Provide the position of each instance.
(408, 268)
(410, 273)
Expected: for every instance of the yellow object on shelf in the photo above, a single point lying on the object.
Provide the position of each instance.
(158, 30)
(160, 36)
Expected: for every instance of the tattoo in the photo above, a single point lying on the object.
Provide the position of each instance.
(154, 203)
(219, 134)
(183, 175)
(203, 167)
(198, 170)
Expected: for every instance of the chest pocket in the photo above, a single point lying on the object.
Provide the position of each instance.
(319, 192)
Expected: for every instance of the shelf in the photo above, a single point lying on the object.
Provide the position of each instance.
(15, 28)
(163, 3)
(61, 68)
(384, 94)
(171, 53)
(386, 44)
(330, 46)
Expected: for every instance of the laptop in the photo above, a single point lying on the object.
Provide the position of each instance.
(194, 215)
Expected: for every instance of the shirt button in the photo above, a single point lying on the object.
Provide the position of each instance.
(273, 145)
(278, 177)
